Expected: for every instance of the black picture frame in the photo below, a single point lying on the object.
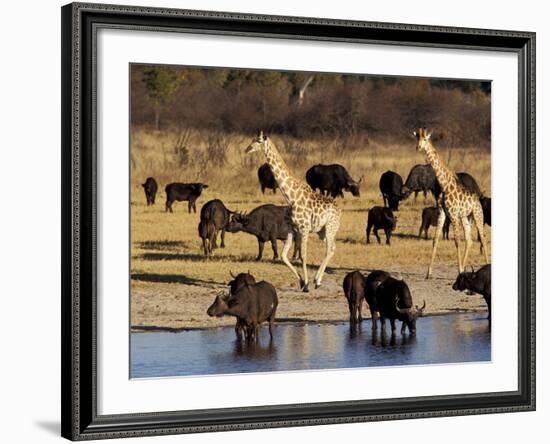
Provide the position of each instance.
(78, 333)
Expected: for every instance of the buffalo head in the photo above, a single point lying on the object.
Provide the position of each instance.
(219, 306)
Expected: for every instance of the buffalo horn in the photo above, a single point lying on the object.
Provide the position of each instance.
(401, 310)
(421, 309)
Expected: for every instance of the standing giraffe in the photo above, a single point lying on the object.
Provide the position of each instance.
(309, 211)
(459, 202)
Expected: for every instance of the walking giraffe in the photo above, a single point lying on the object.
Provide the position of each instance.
(309, 211)
(459, 202)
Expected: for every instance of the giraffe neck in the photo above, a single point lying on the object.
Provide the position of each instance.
(280, 171)
(445, 176)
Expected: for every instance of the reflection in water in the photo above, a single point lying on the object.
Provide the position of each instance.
(439, 339)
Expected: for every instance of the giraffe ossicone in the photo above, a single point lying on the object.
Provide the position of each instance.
(310, 212)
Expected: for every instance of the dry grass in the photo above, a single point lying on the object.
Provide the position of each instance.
(166, 250)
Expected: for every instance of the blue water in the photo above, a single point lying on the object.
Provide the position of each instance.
(439, 339)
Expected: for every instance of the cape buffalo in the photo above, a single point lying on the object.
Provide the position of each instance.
(252, 304)
(354, 290)
(469, 183)
(478, 282)
(235, 284)
(391, 186)
(394, 301)
(422, 178)
(332, 180)
(381, 218)
(150, 187)
(267, 223)
(183, 191)
(430, 216)
(372, 282)
(214, 218)
(266, 178)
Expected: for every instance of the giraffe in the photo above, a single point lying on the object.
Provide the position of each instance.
(459, 202)
(309, 211)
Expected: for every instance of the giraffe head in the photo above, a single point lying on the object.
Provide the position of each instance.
(422, 139)
(257, 143)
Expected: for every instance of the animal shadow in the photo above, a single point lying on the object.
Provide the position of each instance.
(172, 279)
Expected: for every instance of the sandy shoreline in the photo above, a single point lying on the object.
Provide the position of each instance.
(178, 307)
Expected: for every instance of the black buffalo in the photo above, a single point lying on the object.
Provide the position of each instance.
(469, 183)
(486, 205)
(332, 180)
(381, 218)
(372, 282)
(354, 290)
(267, 223)
(478, 282)
(391, 187)
(214, 218)
(251, 305)
(235, 284)
(266, 178)
(150, 187)
(430, 216)
(239, 281)
(422, 178)
(183, 191)
(394, 302)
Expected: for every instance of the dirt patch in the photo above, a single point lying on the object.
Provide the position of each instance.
(178, 304)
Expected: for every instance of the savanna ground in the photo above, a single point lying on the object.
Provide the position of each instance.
(172, 283)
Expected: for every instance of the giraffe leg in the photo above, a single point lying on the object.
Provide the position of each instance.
(454, 224)
(330, 249)
(478, 219)
(330, 242)
(284, 255)
(438, 231)
(303, 251)
(467, 239)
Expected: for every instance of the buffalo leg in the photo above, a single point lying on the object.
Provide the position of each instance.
(274, 247)
(214, 243)
(403, 325)
(376, 234)
(274, 190)
(415, 196)
(393, 328)
(260, 249)
(388, 236)
(373, 318)
(359, 306)
(223, 238)
(271, 320)
(369, 228)
(263, 189)
(351, 307)
(169, 206)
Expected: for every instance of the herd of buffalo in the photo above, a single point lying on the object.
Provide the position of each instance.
(253, 303)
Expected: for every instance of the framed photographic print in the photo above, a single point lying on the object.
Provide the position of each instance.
(280, 221)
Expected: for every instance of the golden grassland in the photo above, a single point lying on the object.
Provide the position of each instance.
(173, 283)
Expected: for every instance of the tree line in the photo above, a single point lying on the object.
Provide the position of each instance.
(310, 105)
